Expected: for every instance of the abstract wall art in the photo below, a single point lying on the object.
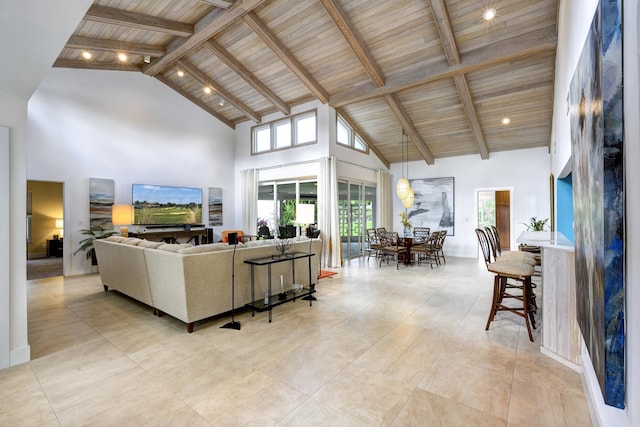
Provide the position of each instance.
(101, 196)
(215, 206)
(433, 204)
(596, 114)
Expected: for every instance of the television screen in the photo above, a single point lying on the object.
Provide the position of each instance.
(166, 205)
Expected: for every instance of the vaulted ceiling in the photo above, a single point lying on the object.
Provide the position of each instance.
(433, 68)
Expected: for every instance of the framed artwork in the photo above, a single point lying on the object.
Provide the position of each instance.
(434, 204)
(596, 114)
(101, 197)
(215, 206)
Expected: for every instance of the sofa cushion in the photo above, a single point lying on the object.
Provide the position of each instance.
(150, 244)
(212, 247)
(133, 241)
(173, 247)
(117, 239)
(265, 242)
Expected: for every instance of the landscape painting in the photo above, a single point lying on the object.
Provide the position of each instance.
(101, 196)
(595, 105)
(433, 204)
(215, 206)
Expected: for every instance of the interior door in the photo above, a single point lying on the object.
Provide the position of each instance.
(503, 218)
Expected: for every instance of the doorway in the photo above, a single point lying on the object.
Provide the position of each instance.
(356, 214)
(494, 208)
(45, 229)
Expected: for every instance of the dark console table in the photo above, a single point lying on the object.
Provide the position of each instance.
(172, 236)
(54, 248)
(267, 304)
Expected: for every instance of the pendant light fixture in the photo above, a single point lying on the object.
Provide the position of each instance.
(407, 202)
(402, 186)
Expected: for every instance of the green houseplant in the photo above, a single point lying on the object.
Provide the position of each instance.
(86, 244)
(536, 224)
(406, 223)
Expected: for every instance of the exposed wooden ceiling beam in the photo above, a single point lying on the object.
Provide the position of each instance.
(517, 47)
(94, 65)
(110, 15)
(285, 55)
(357, 45)
(90, 43)
(225, 56)
(208, 81)
(472, 116)
(408, 127)
(224, 4)
(195, 100)
(365, 137)
(443, 24)
(206, 28)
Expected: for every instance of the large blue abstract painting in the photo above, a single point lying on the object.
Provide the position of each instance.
(595, 100)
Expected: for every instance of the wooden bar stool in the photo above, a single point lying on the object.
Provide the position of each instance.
(521, 291)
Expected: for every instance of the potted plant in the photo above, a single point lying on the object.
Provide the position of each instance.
(536, 224)
(86, 244)
(406, 224)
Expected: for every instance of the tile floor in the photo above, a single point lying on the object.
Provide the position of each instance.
(380, 347)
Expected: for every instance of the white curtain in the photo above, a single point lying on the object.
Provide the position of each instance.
(331, 252)
(384, 199)
(249, 188)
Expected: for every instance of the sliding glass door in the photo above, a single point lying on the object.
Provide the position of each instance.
(357, 206)
(277, 202)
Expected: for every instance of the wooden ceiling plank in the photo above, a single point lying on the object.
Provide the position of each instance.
(208, 81)
(420, 75)
(226, 57)
(443, 24)
(224, 4)
(195, 100)
(90, 43)
(407, 124)
(109, 15)
(472, 117)
(357, 45)
(206, 28)
(365, 137)
(285, 55)
(94, 65)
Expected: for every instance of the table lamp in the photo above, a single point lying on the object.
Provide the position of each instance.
(122, 215)
(305, 214)
(60, 226)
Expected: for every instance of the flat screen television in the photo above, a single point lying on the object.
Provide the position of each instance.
(166, 205)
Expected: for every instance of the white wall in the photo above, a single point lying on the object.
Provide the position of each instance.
(127, 127)
(526, 171)
(575, 20)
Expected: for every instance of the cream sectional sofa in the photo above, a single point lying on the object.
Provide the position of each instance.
(192, 283)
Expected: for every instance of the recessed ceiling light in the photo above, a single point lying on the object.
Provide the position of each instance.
(221, 102)
(488, 14)
(207, 90)
(505, 120)
(122, 57)
(147, 59)
(86, 54)
(180, 73)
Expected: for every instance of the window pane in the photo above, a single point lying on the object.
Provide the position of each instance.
(359, 144)
(343, 133)
(262, 139)
(306, 129)
(283, 134)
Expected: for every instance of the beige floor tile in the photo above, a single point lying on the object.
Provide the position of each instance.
(479, 388)
(379, 347)
(428, 409)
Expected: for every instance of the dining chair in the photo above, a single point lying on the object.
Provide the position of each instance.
(442, 234)
(427, 251)
(521, 291)
(420, 234)
(374, 243)
(392, 247)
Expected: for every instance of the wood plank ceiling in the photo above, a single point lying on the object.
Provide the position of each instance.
(434, 69)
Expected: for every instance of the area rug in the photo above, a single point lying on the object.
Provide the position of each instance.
(326, 273)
